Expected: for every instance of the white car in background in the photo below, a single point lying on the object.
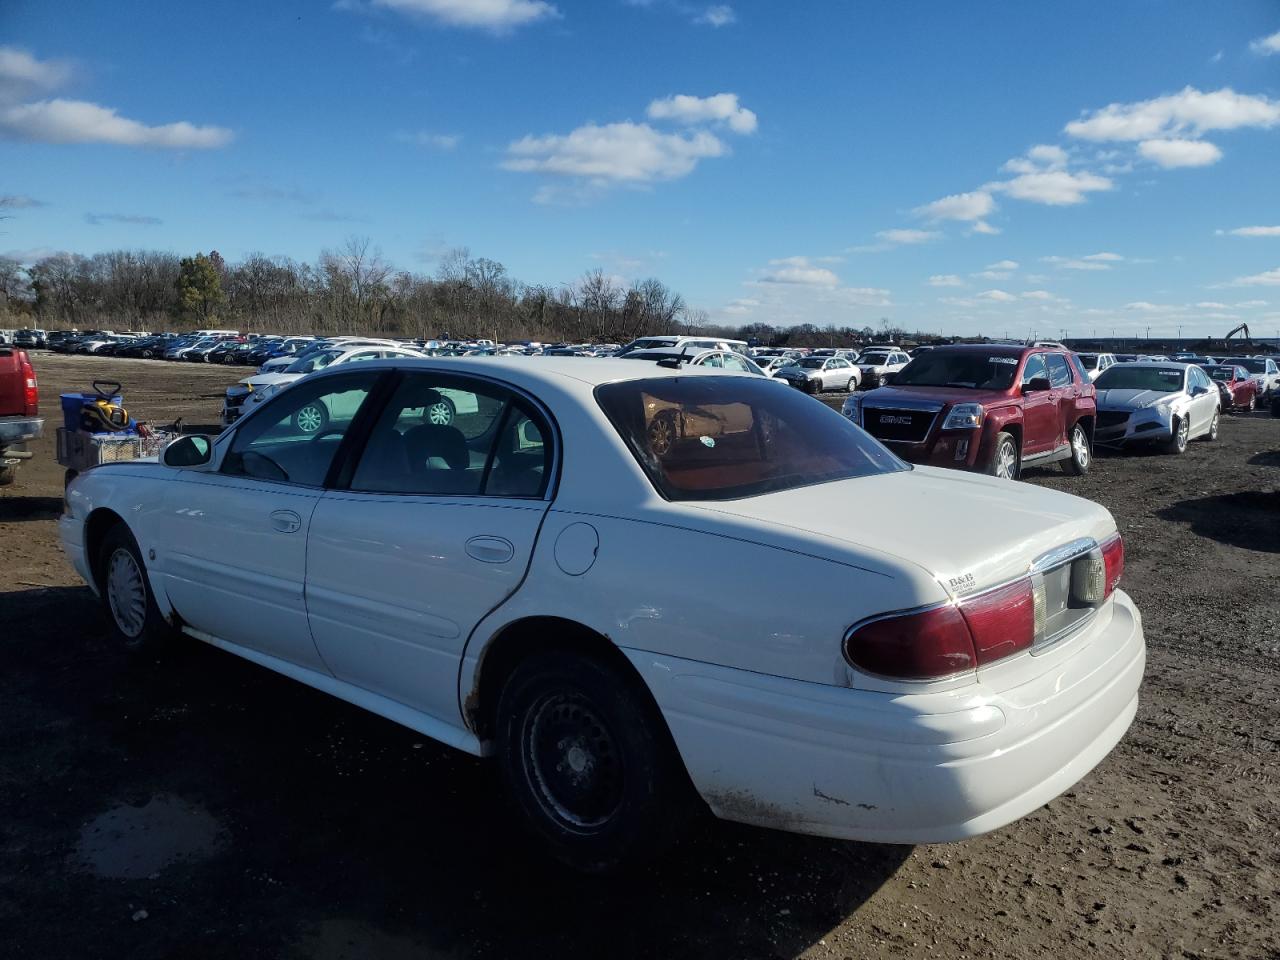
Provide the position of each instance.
(245, 396)
(1097, 363)
(728, 360)
(815, 374)
(1156, 402)
(878, 364)
(540, 585)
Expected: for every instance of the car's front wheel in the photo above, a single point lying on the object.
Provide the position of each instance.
(1004, 460)
(1177, 442)
(588, 764)
(122, 578)
(1081, 455)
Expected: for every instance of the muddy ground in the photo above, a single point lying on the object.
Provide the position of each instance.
(199, 806)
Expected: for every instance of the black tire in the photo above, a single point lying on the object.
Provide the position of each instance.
(663, 432)
(311, 418)
(998, 463)
(589, 764)
(135, 619)
(1253, 402)
(1077, 465)
(441, 414)
(852, 385)
(1275, 406)
(1177, 442)
(8, 474)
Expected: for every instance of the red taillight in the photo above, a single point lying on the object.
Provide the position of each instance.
(948, 639)
(913, 646)
(31, 394)
(1002, 621)
(1113, 559)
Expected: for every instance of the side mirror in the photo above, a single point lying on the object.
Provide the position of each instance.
(190, 451)
(1036, 385)
(1198, 391)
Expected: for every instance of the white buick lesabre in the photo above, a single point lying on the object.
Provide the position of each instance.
(635, 585)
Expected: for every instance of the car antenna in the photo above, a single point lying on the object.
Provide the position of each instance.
(673, 363)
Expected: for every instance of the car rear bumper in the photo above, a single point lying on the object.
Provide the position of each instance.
(924, 768)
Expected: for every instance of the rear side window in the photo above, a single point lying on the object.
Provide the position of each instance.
(1059, 372)
(1080, 364)
(723, 438)
(449, 435)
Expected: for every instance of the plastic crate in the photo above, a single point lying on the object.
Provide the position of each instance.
(79, 450)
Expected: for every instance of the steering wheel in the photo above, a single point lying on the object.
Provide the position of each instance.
(328, 431)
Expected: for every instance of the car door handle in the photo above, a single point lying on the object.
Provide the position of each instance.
(286, 521)
(490, 549)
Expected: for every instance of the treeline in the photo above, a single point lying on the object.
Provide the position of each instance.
(354, 290)
(350, 290)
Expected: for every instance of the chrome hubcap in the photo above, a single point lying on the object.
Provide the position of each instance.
(309, 419)
(1080, 446)
(1007, 458)
(439, 414)
(126, 593)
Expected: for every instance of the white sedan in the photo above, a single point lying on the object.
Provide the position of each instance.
(537, 584)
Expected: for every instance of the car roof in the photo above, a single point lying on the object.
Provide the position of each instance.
(999, 349)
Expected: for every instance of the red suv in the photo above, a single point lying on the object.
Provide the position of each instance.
(993, 408)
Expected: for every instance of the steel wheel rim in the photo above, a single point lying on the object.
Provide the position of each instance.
(126, 593)
(1005, 459)
(439, 414)
(310, 419)
(1080, 447)
(571, 762)
(1184, 431)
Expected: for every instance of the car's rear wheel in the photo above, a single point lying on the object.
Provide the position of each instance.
(588, 764)
(1252, 404)
(662, 433)
(441, 413)
(122, 579)
(1081, 455)
(1004, 461)
(1213, 427)
(852, 385)
(1177, 442)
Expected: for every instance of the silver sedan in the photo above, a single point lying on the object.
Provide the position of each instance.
(815, 374)
(1163, 402)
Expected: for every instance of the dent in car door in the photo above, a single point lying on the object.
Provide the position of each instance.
(406, 562)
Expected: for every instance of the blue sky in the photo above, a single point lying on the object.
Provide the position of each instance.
(970, 168)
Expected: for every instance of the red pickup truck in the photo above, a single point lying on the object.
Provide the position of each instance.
(19, 404)
(992, 407)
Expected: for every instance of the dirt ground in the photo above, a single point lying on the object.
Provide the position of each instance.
(198, 806)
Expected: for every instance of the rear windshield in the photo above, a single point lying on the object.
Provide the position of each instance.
(971, 371)
(1090, 360)
(1221, 373)
(1160, 379)
(722, 438)
(1250, 364)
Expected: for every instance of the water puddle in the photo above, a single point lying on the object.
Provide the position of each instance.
(134, 843)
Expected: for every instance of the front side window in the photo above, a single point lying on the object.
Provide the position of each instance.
(1035, 369)
(449, 435)
(723, 438)
(294, 438)
(1059, 372)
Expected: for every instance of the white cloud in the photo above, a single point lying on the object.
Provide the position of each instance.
(1251, 303)
(1037, 295)
(719, 15)
(1268, 278)
(1212, 305)
(1053, 187)
(614, 152)
(1189, 110)
(1266, 45)
(720, 108)
(799, 270)
(959, 206)
(77, 121)
(741, 305)
(1180, 153)
(908, 237)
(982, 226)
(1073, 263)
(999, 296)
(945, 280)
(1003, 265)
(133, 219)
(21, 74)
(1041, 157)
(1103, 256)
(496, 15)
(1143, 306)
(1254, 232)
(432, 141)
(992, 274)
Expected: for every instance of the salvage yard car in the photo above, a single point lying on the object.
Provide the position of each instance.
(816, 374)
(536, 583)
(1237, 390)
(993, 408)
(1166, 403)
